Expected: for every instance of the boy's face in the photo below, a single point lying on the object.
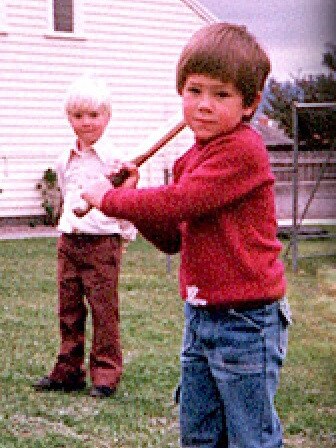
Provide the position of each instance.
(89, 123)
(212, 107)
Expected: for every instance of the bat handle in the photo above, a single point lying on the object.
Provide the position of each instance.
(119, 178)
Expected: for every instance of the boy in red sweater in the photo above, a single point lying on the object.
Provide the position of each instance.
(219, 212)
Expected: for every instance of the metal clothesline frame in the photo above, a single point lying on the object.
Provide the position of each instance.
(296, 220)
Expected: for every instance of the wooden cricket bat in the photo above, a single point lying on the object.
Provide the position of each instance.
(153, 143)
(150, 146)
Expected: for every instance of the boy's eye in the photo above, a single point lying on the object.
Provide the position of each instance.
(195, 90)
(93, 114)
(77, 115)
(222, 94)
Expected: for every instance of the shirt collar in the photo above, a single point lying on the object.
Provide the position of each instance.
(100, 148)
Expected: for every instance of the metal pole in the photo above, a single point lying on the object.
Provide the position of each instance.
(296, 221)
(295, 186)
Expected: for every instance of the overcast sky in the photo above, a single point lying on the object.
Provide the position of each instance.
(294, 32)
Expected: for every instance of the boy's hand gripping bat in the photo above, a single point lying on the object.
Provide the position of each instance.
(154, 142)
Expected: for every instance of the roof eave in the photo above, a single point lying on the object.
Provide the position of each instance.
(201, 11)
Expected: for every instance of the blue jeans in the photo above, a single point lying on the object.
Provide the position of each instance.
(230, 364)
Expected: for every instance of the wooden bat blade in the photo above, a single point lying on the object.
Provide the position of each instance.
(157, 140)
(150, 147)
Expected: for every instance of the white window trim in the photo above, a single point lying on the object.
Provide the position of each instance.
(3, 18)
(78, 23)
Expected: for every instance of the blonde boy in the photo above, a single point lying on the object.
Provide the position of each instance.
(89, 252)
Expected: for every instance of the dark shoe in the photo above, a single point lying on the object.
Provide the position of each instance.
(102, 391)
(47, 384)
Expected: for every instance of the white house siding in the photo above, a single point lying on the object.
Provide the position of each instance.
(133, 45)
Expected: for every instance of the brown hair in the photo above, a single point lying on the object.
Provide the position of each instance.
(229, 53)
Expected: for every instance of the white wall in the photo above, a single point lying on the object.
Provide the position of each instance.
(133, 45)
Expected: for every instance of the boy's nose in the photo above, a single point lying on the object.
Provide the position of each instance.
(86, 119)
(205, 102)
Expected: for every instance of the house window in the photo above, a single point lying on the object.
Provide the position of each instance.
(65, 19)
(63, 16)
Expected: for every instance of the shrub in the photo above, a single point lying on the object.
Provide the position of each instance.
(51, 196)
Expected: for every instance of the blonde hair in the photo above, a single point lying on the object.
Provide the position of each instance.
(229, 53)
(89, 93)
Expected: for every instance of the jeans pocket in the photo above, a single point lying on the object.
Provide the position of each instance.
(241, 341)
(285, 320)
(188, 337)
(285, 311)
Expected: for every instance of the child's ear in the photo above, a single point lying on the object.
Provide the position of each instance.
(250, 110)
(108, 117)
(257, 100)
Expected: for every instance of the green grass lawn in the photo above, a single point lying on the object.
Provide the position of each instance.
(142, 413)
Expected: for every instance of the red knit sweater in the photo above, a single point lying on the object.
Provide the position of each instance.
(219, 212)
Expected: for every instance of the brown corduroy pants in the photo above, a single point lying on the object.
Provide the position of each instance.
(88, 271)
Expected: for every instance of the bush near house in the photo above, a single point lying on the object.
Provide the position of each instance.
(51, 196)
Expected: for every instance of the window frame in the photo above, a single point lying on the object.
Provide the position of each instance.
(77, 33)
(3, 18)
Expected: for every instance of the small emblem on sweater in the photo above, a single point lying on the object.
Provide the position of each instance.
(192, 298)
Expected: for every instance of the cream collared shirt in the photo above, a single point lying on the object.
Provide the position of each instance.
(77, 169)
